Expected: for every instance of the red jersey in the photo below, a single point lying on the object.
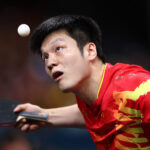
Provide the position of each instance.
(119, 119)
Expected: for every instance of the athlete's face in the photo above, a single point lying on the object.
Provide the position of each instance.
(64, 62)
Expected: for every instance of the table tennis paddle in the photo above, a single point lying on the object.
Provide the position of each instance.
(9, 118)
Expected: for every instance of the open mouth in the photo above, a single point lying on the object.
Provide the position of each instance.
(57, 75)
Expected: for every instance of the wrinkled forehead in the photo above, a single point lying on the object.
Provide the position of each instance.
(55, 34)
(54, 37)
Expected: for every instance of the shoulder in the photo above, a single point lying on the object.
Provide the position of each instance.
(128, 77)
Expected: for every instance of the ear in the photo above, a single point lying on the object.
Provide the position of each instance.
(90, 51)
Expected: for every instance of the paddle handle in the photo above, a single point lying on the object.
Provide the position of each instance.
(32, 116)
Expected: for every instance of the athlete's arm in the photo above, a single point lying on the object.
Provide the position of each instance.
(68, 116)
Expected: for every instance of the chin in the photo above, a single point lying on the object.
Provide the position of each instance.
(66, 89)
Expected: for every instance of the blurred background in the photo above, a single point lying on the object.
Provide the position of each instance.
(126, 38)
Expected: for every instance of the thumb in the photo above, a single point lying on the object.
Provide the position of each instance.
(19, 108)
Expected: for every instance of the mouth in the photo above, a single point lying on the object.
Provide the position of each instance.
(57, 75)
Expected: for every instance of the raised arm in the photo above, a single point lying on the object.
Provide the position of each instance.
(68, 116)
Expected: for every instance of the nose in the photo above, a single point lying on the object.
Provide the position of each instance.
(50, 67)
(51, 62)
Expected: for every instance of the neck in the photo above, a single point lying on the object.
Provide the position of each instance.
(88, 89)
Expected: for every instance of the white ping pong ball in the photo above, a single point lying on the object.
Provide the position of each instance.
(23, 30)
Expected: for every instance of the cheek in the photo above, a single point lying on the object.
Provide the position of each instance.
(76, 66)
(72, 60)
(47, 70)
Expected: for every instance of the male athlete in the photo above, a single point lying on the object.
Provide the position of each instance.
(113, 101)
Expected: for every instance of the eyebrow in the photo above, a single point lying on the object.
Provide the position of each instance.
(56, 40)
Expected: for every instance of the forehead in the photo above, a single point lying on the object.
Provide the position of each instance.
(52, 38)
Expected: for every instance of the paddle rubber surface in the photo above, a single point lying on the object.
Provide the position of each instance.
(9, 118)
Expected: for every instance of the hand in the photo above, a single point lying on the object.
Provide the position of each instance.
(24, 124)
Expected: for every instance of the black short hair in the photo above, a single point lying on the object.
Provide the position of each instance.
(81, 28)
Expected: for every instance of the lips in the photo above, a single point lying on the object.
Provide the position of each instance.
(57, 75)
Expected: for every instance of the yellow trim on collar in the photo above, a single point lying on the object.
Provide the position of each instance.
(101, 81)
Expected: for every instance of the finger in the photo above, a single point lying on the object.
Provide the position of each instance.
(20, 107)
(42, 124)
(20, 123)
(25, 127)
(34, 127)
(24, 120)
(17, 125)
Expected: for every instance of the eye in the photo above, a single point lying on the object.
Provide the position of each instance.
(58, 48)
(45, 56)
